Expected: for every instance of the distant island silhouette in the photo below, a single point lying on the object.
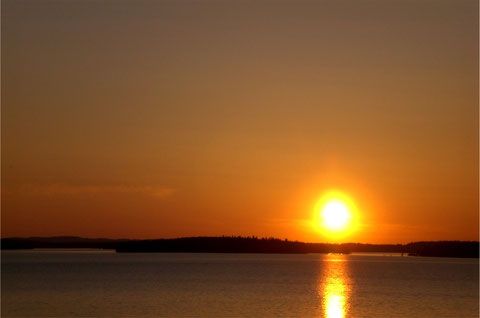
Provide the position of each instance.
(238, 244)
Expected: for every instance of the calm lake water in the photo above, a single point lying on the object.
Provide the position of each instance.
(100, 284)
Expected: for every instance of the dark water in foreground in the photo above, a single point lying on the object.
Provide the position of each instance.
(92, 284)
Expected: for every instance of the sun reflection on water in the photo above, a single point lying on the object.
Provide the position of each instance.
(334, 287)
(334, 298)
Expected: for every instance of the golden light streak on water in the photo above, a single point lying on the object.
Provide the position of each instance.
(334, 287)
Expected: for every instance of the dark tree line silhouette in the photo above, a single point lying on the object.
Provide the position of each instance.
(239, 244)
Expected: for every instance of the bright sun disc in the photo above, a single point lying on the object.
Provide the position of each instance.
(335, 215)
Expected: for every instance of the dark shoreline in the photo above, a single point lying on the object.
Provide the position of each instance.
(230, 244)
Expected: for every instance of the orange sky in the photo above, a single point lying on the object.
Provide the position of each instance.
(148, 119)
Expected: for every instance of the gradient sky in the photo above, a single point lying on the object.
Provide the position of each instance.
(148, 119)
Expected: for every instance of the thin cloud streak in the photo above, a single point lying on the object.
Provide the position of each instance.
(67, 189)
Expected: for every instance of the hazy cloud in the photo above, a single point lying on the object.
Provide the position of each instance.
(67, 189)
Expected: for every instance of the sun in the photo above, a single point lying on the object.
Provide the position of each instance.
(335, 215)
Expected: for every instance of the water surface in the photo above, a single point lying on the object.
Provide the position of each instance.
(92, 284)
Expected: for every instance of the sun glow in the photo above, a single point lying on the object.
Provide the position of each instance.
(335, 215)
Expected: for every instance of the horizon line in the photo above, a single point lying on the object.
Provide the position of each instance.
(222, 236)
